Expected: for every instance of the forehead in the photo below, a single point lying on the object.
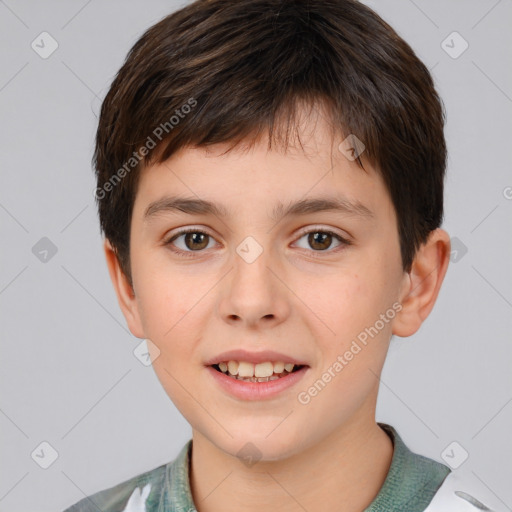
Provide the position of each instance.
(258, 185)
(314, 172)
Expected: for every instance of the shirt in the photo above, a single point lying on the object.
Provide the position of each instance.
(410, 486)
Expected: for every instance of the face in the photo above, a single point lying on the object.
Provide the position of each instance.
(311, 284)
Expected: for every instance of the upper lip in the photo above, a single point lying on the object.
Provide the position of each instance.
(254, 357)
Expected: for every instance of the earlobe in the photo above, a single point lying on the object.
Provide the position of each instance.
(422, 284)
(124, 291)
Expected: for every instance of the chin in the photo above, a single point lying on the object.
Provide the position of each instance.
(259, 448)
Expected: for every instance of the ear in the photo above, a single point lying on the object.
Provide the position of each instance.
(422, 284)
(124, 291)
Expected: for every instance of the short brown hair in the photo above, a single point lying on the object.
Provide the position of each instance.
(244, 66)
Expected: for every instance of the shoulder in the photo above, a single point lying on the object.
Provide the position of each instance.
(456, 495)
(129, 496)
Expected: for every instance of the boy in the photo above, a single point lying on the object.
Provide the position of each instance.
(300, 145)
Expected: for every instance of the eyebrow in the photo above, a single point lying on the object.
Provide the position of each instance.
(194, 206)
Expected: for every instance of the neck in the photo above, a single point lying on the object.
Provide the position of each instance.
(347, 467)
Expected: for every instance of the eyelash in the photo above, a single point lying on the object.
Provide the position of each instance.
(190, 254)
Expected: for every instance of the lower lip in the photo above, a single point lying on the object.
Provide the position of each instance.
(256, 390)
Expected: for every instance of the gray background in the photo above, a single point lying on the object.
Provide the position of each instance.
(69, 376)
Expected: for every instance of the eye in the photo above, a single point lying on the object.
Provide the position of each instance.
(320, 240)
(194, 240)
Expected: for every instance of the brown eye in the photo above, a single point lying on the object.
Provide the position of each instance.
(189, 241)
(196, 240)
(320, 240)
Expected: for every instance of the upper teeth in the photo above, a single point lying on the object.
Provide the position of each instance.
(245, 369)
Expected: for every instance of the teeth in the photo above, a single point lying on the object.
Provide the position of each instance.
(279, 367)
(265, 371)
(232, 367)
(257, 379)
(246, 369)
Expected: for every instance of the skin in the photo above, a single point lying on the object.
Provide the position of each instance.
(317, 455)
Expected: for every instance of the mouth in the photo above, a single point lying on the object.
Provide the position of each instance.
(263, 372)
(253, 380)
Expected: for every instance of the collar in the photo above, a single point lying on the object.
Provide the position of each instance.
(411, 482)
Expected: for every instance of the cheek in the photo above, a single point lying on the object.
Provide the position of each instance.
(353, 309)
(350, 299)
(164, 296)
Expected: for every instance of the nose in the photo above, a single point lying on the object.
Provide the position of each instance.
(254, 293)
